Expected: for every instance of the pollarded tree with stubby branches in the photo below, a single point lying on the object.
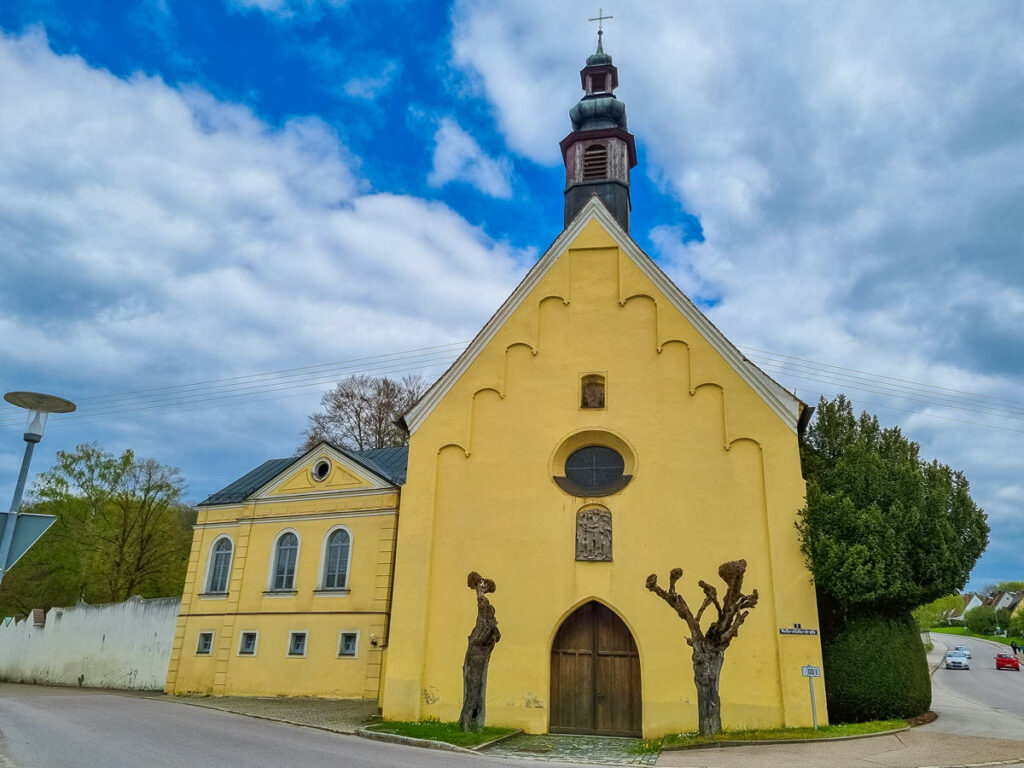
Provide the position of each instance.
(482, 640)
(709, 644)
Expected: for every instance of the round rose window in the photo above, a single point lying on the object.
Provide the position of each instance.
(595, 470)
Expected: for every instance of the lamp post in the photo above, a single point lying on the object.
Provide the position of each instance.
(39, 407)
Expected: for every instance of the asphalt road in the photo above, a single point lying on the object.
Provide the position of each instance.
(70, 728)
(980, 701)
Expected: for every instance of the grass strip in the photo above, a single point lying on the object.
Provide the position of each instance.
(965, 633)
(433, 730)
(679, 740)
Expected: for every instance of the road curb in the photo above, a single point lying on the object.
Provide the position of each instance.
(942, 656)
(773, 742)
(409, 741)
(1014, 761)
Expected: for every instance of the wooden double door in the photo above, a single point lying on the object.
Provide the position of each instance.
(595, 675)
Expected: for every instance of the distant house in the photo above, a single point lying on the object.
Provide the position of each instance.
(971, 601)
(1007, 600)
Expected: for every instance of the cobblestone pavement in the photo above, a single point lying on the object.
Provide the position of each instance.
(339, 715)
(602, 750)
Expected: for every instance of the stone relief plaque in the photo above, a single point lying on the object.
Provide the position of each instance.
(594, 535)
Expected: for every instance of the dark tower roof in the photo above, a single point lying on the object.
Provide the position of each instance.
(600, 151)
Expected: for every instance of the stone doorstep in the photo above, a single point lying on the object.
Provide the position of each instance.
(772, 742)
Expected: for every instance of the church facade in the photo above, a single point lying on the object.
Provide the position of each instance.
(598, 429)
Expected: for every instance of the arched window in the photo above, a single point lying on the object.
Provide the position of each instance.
(219, 568)
(336, 558)
(595, 162)
(286, 556)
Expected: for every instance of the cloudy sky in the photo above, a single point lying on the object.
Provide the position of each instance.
(210, 211)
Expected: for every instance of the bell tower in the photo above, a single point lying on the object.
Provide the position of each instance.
(599, 152)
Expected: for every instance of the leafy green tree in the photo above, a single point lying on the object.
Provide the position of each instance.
(1017, 624)
(883, 532)
(122, 529)
(1009, 586)
(981, 620)
(1003, 618)
(933, 614)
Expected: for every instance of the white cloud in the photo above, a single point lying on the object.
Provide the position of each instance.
(372, 85)
(857, 168)
(152, 236)
(286, 10)
(458, 157)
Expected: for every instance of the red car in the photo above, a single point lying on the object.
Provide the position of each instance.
(1007, 661)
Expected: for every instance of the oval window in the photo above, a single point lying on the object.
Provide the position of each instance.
(596, 469)
(321, 470)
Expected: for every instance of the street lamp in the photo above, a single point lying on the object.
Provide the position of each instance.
(39, 407)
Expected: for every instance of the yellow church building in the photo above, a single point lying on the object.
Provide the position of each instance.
(598, 429)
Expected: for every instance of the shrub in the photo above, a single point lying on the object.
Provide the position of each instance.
(1017, 624)
(1003, 619)
(981, 620)
(875, 668)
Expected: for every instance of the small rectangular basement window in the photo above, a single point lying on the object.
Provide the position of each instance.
(247, 644)
(296, 643)
(204, 645)
(348, 643)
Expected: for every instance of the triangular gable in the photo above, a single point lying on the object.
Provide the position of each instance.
(348, 476)
(786, 405)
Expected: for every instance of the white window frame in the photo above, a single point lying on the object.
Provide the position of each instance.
(213, 638)
(256, 645)
(341, 634)
(273, 563)
(320, 588)
(209, 567)
(305, 647)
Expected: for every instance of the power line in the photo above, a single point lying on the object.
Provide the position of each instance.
(254, 383)
(203, 402)
(914, 384)
(860, 384)
(239, 390)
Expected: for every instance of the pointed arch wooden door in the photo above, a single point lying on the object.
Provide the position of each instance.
(595, 675)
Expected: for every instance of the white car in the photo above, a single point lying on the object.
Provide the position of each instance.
(964, 650)
(957, 660)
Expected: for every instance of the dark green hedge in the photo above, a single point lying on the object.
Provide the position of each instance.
(875, 669)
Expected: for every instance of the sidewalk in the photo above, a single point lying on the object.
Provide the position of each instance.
(910, 749)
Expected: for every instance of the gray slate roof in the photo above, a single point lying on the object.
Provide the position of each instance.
(389, 463)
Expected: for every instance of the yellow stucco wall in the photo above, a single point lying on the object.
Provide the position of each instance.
(310, 510)
(717, 477)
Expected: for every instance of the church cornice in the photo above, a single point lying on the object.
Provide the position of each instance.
(785, 405)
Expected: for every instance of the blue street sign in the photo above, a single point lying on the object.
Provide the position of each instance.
(27, 530)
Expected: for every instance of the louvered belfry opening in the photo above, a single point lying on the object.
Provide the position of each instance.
(595, 162)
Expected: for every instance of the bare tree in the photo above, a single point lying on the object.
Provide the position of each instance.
(359, 413)
(709, 645)
(478, 655)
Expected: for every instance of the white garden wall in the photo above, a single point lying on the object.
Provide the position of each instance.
(117, 645)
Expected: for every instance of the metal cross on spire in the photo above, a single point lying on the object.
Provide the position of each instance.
(600, 19)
